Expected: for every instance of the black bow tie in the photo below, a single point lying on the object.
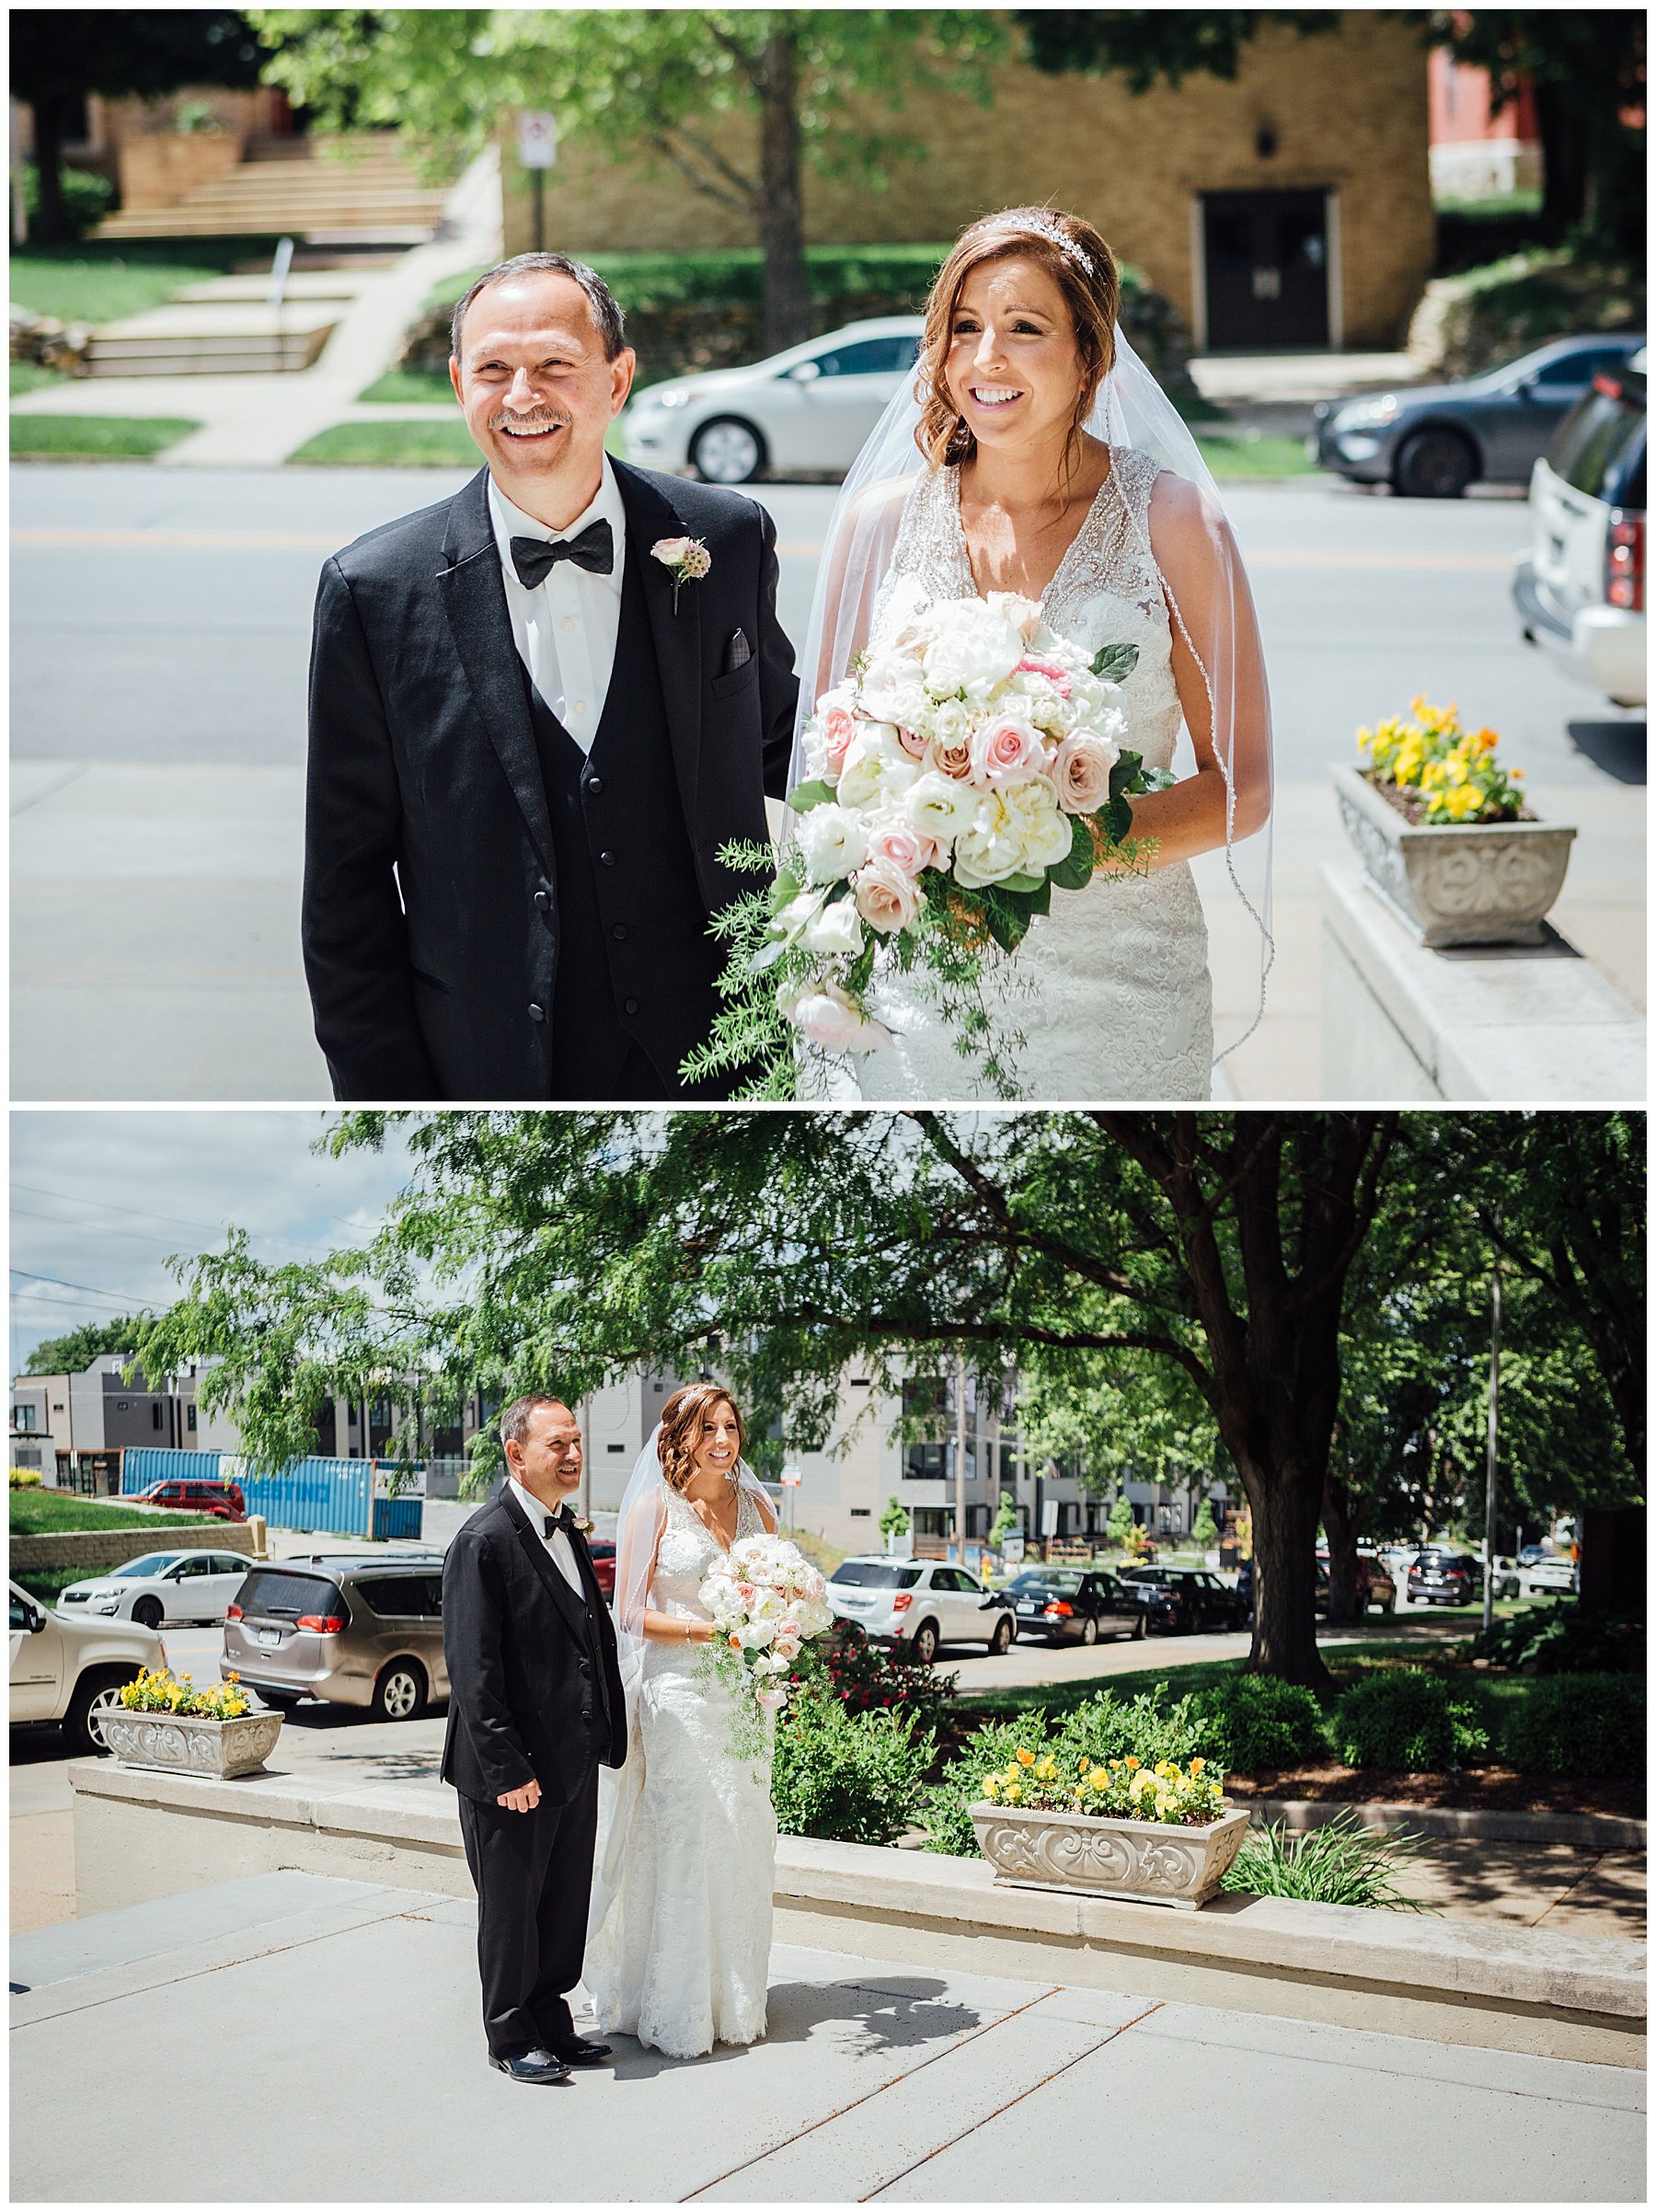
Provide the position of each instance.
(563, 1519)
(535, 557)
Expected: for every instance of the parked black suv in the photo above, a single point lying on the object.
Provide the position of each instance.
(1440, 1577)
(1190, 1598)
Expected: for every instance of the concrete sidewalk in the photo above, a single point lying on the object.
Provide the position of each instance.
(353, 2009)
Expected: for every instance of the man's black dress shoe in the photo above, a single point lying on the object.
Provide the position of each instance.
(579, 2051)
(531, 2066)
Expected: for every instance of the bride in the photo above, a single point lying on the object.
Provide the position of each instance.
(679, 1934)
(1054, 467)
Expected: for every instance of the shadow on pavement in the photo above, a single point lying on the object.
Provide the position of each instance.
(889, 2018)
(1616, 747)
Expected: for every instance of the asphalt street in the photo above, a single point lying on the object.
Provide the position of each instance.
(159, 647)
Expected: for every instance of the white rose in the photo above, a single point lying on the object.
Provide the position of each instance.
(1018, 831)
(886, 898)
(893, 689)
(833, 841)
(1023, 615)
(877, 766)
(973, 649)
(941, 806)
(950, 722)
(835, 929)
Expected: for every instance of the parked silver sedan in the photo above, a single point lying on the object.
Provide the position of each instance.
(162, 1587)
(809, 409)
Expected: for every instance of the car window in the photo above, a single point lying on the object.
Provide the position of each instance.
(22, 1613)
(1066, 1582)
(869, 357)
(152, 1563)
(1579, 368)
(198, 1563)
(944, 1578)
(282, 1595)
(227, 1562)
(1596, 440)
(874, 1574)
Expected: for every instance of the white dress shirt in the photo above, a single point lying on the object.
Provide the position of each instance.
(565, 629)
(557, 1543)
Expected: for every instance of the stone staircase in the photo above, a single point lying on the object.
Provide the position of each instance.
(357, 192)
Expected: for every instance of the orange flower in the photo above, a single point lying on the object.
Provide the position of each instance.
(1197, 1766)
(1026, 1758)
(1131, 1764)
(735, 1643)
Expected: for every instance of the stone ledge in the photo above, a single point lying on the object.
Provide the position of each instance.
(1473, 1023)
(1590, 1831)
(144, 1835)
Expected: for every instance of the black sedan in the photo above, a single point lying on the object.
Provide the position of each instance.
(1184, 1599)
(1430, 441)
(1444, 1578)
(1067, 1605)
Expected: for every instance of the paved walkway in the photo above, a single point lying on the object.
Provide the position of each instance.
(349, 2013)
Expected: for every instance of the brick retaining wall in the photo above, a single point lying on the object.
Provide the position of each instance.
(96, 1550)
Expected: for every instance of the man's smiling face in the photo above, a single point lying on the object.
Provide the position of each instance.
(537, 393)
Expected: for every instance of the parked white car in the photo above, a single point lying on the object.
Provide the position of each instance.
(70, 1670)
(161, 1586)
(809, 407)
(921, 1603)
(1580, 588)
(1549, 1576)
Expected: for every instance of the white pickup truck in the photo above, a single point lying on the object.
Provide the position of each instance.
(68, 1670)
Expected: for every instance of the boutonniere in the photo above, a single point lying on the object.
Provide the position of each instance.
(584, 1527)
(687, 558)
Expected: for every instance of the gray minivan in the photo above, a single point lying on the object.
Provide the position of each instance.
(350, 1632)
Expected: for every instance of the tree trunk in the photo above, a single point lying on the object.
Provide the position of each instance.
(781, 207)
(1564, 161)
(51, 226)
(1286, 1508)
(1342, 1527)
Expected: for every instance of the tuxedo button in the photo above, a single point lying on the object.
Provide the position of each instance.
(630, 1006)
(543, 899)
(619, 931)
(594, 785)
(536, 1013)
(609, 860)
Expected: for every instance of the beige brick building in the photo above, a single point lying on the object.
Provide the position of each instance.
(1291, 209)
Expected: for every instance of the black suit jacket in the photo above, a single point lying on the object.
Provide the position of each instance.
(428, 841)
(534, 1690)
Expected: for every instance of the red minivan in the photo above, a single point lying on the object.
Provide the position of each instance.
(218, 1501)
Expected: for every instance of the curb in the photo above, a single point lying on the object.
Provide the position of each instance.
(1600, 1831)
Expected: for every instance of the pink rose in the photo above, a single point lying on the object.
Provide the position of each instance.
(952, 756)
(839, 727)
(1057, 677)
(828, 1018)
(1007, 750)
(912, 743)
(886, 898)
(1081, 772)
(907, 848)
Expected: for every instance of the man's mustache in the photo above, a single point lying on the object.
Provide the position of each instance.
(540, 418)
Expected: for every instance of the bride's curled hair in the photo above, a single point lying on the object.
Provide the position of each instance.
(680, 1430)
(1083, 268)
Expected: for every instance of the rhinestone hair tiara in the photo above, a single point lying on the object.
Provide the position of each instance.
(1045, 226)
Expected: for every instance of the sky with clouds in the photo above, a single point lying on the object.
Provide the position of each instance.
(98, 1200)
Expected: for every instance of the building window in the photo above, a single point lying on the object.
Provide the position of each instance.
(154, 1413)
(23, 1417)
(189, 1418)
(862, 1513)
(122, 1406)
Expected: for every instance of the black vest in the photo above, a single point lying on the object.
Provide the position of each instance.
(636, 967)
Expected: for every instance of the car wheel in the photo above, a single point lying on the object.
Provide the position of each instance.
(1138, 1629)
(279, 1701)
(400, 1693)
(95, 1694)
(1000, 1643)
(726, 451)
(1434, 465)
(924, 1645)
(1089, 1631)
(148, 1613)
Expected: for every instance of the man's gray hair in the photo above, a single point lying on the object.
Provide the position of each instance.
(606, 316)
(514, 1421)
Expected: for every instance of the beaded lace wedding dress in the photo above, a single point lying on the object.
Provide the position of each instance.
(1111, 992)
(680, 1954)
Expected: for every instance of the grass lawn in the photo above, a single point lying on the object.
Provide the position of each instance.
(29, 376)
(52, 1512)
(389, 446)
(409, 384)
(1258, 457)
(96, 437)
(91, 283)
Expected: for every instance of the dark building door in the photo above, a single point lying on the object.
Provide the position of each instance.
(1267, 259)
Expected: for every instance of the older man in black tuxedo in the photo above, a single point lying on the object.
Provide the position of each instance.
(529, 736)
(536, 1708)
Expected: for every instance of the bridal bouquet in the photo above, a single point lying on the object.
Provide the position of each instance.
(970, 766)
(766, 1599)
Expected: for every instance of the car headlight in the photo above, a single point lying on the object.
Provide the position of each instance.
(1368, 414)
(105, 1605)
(1360, 445)
(664, 398)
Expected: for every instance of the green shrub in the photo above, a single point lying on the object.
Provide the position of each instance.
(1587, 1724)
(1337, 1863)
(87, 198)
(943, 1808)
(1559, 1638)
(1257, 1721)
(850, 1779)
(1407, 1721)
(1484, 317)
(867, 1678)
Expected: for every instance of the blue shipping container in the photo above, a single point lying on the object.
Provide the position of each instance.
(399, 1520)
(141, 1465)
(333, 1496)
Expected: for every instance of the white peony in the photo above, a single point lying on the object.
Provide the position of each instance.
(833, 841)
(1018, 831)
(876, 767)
(973, 650)
(828, 1018)
(893, 688)
(940, 805)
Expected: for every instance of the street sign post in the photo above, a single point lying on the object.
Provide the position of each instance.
(791, 1479)
(537, 151)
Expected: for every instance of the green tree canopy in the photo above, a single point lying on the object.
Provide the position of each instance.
(652, 85)
(74, 1352)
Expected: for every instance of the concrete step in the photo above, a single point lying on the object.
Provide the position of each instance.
(375, 193)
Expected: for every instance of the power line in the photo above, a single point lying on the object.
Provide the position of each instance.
(309, 1244)
(117, 1297)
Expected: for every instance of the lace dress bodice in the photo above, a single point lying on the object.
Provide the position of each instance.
(680, 1956)
(1111, 990)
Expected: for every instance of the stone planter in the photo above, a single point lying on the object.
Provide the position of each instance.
(189, 1743)
(1105, 1855)
(1457, 883)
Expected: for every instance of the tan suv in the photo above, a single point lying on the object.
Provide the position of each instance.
(349, 1631)
(69, 1670)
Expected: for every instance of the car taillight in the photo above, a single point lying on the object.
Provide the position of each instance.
(232, 1612)
(1058, 1606)
(324, 1624)
(1623, 561)
(902, 1602)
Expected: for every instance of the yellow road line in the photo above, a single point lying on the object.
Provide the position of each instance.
(1286, 560)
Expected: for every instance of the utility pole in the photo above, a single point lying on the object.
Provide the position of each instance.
(1488, 1548)
(586, 1456)
(959, 1551)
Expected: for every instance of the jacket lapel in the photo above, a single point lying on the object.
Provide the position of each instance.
(677, 637)
(540, 1558)
(474, 598)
